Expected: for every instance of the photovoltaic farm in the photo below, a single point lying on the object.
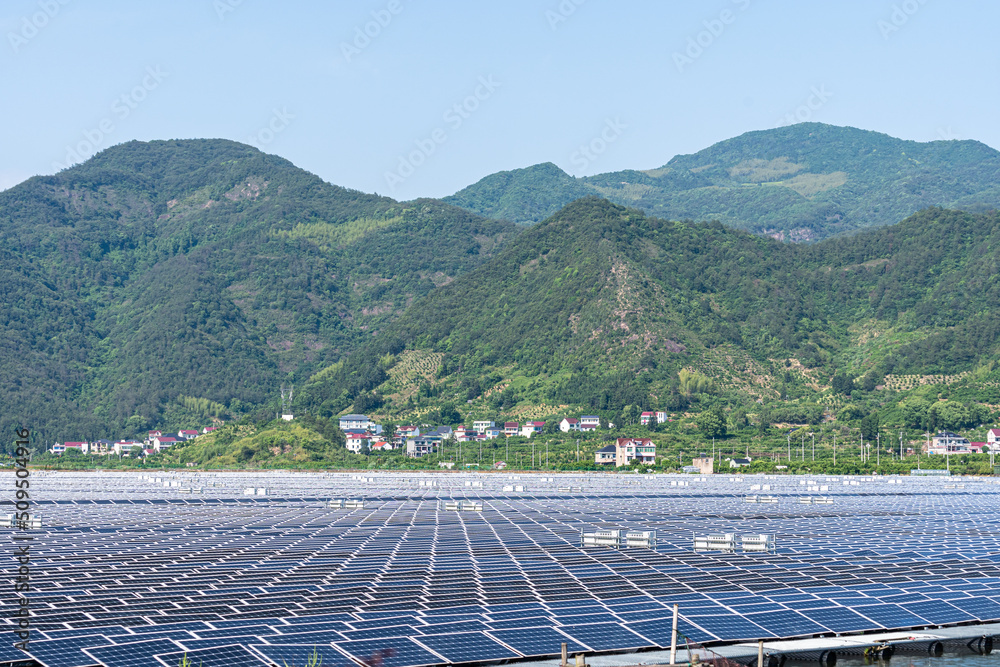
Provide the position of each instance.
(405, 570)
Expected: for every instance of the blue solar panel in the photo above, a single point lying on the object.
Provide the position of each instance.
(65, 652)
(136, 654)
(537, 641)
(840, 619)
(730, 627)
(982, 608)
(890, 616)
(318, 637)
(660, 631)
(394, 652)
(450, 628)
(467, 647)
(301, 654)
(605, 636)
(939, 612)
(225, 656)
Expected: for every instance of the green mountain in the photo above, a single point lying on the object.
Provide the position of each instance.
(602, 307)
(803, 182)
(172, 281)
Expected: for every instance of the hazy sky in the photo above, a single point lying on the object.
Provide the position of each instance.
(421, 97)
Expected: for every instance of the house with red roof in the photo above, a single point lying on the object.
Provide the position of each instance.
(162, 442)
(532, 428)
(511, 428)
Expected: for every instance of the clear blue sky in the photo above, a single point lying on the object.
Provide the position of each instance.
(627, 78)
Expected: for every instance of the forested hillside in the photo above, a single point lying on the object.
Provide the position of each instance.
(798, 183)
(604, 307)
(188, 279)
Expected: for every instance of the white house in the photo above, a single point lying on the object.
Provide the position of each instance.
(569, 424)
(532, 428)
(123, 447)
(993, 437)
(163, 442)
(361, 422)
(189, 434)
(480, 425)
(946, 442)
(589, 422)
(356, 442)
(420, 446)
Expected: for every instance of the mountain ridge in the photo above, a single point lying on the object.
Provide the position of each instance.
(801, 182)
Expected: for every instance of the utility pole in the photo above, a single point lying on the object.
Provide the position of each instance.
(862, 448)
(814, 446)
(878, 450)
(788, 441)
(578, 451)
(834, 449)
(803, 445)
(532, 454)
(900, 446)
(546, 453)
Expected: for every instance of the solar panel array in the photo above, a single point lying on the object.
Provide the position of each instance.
(134, 571)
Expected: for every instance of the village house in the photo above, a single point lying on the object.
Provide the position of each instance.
(569, 424)
(480, 425)
(590, 422)
(492, 432)
(361, 422)
(739, 463)
(208, 429)
(625, 450)
(163, 442)
(421, 446)
(357, 441)
(946, 442)
(123, 447)
(81, 447)
(101, 447)
(532, 428)
(646, 417)
(606, 454)
(511, 428)
(187, 434)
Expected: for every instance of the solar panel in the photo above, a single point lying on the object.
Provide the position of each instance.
(890, 616)
(65, 652)
(605, 636)
(302, 654)
(397, 652)
(467, 647)
(660, 631)
(136, 654)
(786, 623)
(223, 656)
(839, 619)
(730, 627)
(537, 641)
